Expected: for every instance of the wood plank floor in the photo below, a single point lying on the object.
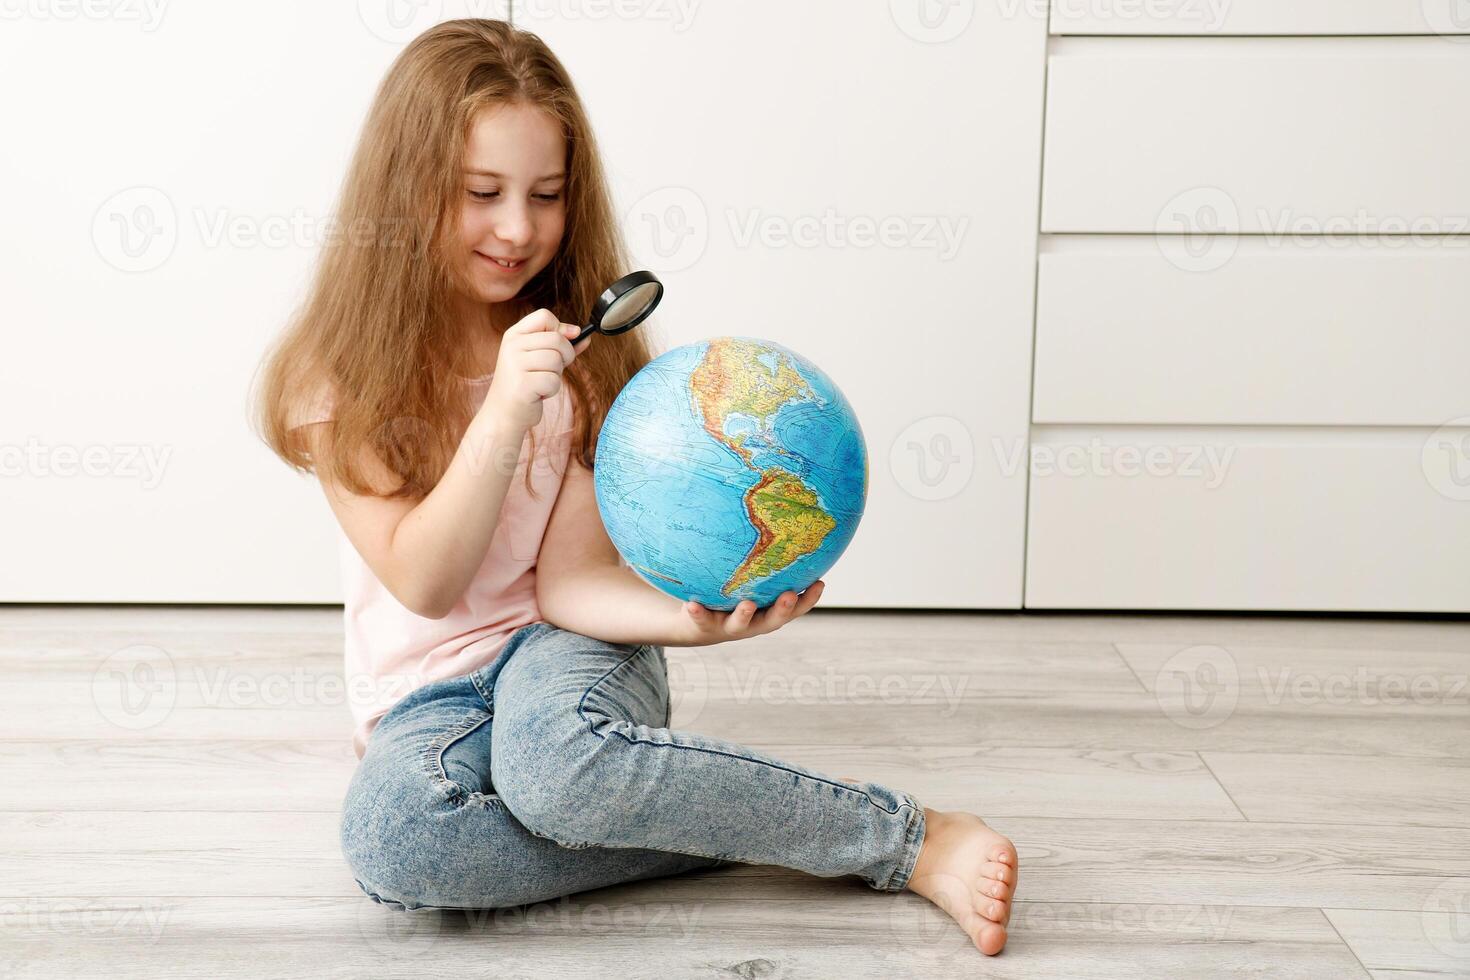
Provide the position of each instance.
(1191, 796)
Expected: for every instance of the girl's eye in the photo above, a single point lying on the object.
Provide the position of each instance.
(492, 195)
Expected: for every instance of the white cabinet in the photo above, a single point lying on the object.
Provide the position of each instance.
(1263, 518)
(1260, 136)
(860, 185)
(1250, 330)
(1259, 17)
(1252, 379)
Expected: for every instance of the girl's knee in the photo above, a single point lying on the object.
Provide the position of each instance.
(568, 796)
(408, 862)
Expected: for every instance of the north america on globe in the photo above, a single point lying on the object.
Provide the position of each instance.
(731, 469)
(733, 380)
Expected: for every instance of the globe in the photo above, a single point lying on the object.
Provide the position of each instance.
(731, 469)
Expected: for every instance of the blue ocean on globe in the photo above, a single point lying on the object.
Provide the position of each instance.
(731, 469)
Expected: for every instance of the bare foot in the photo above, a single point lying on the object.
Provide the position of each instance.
(970, 872)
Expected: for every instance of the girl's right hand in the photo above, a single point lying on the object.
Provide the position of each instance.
(700, 626)
(528, 369)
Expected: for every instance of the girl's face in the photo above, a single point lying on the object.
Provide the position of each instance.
(515, 201)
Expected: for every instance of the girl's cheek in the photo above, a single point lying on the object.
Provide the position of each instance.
(474, 229)
(557, 226)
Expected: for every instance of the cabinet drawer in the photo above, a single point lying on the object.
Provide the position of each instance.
(1316, 331)
(1310, 519)
(1243, 17)
(1260, 135)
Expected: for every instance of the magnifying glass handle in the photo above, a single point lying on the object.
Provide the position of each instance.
(584, 332)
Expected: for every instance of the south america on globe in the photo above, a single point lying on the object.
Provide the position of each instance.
(731, 469)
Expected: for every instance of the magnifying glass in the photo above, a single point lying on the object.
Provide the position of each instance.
(624, 304)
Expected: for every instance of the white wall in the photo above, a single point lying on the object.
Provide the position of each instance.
(210, 142)
(170, 169)
(1327, 371)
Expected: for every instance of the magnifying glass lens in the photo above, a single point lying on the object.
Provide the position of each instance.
(629, 306)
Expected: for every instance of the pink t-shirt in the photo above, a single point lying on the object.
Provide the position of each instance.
(390, 651)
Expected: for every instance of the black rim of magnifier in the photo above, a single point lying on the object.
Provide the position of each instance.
(610, 296)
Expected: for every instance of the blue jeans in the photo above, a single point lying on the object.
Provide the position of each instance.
(552, 770)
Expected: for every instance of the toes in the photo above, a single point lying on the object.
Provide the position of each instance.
(994, 909)
(987, 934)
(993, 889)
(1004, 853)
(999, 872)
(990, 938)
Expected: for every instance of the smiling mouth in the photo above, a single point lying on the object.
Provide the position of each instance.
(511, 264)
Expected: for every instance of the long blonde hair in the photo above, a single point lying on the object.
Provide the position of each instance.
(377, 323)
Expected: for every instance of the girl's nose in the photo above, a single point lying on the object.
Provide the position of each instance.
(514, 226)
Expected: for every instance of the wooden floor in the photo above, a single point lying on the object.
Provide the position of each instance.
(1191, 797)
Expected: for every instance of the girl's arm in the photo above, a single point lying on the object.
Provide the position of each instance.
(424, 551)
(582, 586)
(444, 539)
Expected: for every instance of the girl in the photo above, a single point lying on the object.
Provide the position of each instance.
(508, 672)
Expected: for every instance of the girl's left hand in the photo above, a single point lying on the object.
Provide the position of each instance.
(702, 626)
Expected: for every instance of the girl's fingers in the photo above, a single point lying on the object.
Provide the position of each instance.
(739, 620)
(697, 612)
(748, 619)
(809, 598)
(780, 612)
